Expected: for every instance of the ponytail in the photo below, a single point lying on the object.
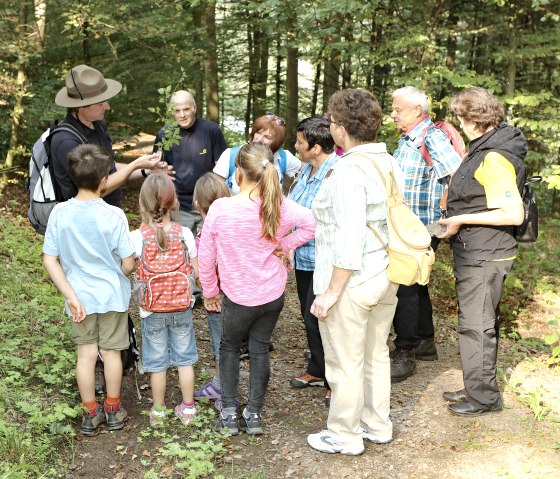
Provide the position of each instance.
(256, 162)
(157, 197)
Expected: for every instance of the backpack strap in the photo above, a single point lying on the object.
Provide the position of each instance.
(283, 163)
(423, 148)
(232, 155)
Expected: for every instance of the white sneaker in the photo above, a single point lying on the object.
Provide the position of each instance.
(322, 441)
(373, 438)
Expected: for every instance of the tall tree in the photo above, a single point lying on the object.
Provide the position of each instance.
(211, 64)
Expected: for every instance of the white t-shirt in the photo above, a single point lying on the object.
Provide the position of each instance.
(222, 167)
(136, 238)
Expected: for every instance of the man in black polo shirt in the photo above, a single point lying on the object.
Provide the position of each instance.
(200, 146)
(86, 96)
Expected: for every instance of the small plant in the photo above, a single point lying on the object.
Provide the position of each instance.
(164, 112)
(553, 340)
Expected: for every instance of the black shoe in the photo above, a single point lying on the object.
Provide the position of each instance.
(328, 398)
(307, 355)
(403, 364)
(466, 409)
(426, 350)
(454, 396)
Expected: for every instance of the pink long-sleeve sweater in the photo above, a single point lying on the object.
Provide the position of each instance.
(250, 274)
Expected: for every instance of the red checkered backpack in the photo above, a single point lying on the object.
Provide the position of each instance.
(165, 277)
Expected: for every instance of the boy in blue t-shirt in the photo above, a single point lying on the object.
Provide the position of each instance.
(88, 255)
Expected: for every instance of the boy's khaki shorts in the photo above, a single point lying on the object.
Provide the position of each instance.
(108, 330)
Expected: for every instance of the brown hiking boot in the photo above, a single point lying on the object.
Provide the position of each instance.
(403, 364)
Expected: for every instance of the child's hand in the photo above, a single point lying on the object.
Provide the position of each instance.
(76, 308)
(214, 304)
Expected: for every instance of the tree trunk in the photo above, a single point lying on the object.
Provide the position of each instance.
(40, 15)
(330, 77)
(512, 65)
(249, 102)
(291, 96)
(85, 43)
(211, 64)
(17, 112)
(198, 76)
(278, 76)
(260, 45)
(316, 83)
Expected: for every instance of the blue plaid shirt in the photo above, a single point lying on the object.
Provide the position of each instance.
(303, 191)
(422, 190)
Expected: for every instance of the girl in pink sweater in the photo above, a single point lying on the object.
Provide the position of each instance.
(247, 235)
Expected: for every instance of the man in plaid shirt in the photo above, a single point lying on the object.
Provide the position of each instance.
(424, 187)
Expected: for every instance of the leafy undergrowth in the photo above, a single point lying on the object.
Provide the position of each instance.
(38, 396)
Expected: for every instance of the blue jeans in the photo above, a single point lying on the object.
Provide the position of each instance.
(257, 324)
(215, 327)
(168, 340)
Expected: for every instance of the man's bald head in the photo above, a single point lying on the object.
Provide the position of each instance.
(184, 108)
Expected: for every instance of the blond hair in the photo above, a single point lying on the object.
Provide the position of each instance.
(208, 189)
(157, 197)
(255, 162)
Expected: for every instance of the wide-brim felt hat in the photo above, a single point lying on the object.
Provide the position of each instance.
(86, 86)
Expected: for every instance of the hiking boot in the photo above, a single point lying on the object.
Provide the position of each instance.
(227, 424)
(323, 442)
(157, 418)
(426, 350)
(403, 364)
(115, 418)
(209, 390)
(185, 413)
(91, 422)
(251, 422)
(306, 380)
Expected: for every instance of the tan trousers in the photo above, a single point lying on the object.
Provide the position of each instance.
(357, 362)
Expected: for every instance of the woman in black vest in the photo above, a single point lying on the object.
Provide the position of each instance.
(484, 206)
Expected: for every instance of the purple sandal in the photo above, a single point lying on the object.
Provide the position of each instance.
(209, 391)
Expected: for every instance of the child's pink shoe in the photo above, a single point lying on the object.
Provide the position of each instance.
(185, 413)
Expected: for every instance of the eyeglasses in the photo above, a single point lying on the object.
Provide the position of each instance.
(277, 119)
(328, 116)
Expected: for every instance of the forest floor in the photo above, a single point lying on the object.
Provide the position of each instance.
(522, 441)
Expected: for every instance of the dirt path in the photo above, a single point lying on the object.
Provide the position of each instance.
(428, 441)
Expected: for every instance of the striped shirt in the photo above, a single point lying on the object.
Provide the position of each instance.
(352, 197)
(422, 190)
(303, 192)
(250, 273)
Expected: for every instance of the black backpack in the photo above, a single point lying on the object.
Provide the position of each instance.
(44, 193)
(528, 231)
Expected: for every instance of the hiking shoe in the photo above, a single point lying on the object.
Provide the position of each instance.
(218, 405)
(115, 418)
(185, 413)
(91, 422)
(157, 418)
(375, 439)
(403, 364)
(227, 424)
(251, 422)
(209, 390)
(426, 350)
(323, 442)
(306, 380)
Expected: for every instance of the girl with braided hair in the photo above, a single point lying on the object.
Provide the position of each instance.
(167, 336)
(248, 235)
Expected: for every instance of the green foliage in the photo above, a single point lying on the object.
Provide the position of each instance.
(37, 393)
(553, 340)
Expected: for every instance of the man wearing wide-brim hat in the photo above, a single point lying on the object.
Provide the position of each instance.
(86, 96)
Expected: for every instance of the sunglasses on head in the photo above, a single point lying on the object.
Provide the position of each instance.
(277, 119)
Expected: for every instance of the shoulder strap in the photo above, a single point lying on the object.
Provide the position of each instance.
(69, 129)
(283, 162)
(423, 149)
(232, 154)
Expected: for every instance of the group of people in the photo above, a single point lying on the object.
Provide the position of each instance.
(249, 235)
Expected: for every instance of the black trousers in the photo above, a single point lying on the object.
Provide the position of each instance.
(413, 317)
(479, 286)
(316, 365)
